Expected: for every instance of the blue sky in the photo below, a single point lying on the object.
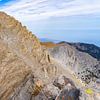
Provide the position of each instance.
(69, 20)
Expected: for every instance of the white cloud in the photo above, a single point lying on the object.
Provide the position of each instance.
(26, 10)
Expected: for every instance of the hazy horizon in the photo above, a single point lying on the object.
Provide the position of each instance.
(67, 20)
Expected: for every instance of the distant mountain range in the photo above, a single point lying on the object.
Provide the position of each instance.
(91, 49)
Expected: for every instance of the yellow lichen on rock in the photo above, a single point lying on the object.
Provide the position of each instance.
(89, 91)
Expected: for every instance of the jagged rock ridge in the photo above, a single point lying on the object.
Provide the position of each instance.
(20, 56)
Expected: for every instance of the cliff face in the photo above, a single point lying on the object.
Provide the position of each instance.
(12, 71)
(16, 61)
(17, 36)
(91, 49)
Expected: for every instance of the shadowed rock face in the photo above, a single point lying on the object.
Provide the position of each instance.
(68, 89)
(83, 64)
(61, 89)
(91, 49)
(72, 94)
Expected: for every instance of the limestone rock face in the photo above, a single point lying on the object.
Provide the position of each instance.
(20, 56)
(18, 37)
(84, 65)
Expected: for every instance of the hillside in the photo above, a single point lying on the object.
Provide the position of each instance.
(91, 49)
(82, 63)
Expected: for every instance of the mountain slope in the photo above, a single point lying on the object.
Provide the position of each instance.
(20, 56)
(82, 63)
(28, 72)
(91, 49)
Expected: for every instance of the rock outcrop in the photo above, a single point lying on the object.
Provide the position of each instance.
(91, 49)
(62, 88)
(84, 65)
(20, 56)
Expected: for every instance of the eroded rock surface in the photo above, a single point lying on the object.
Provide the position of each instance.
(84, 65)
(61, 88)
(20, 55)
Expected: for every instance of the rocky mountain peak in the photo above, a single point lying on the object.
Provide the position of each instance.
(16, 35)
